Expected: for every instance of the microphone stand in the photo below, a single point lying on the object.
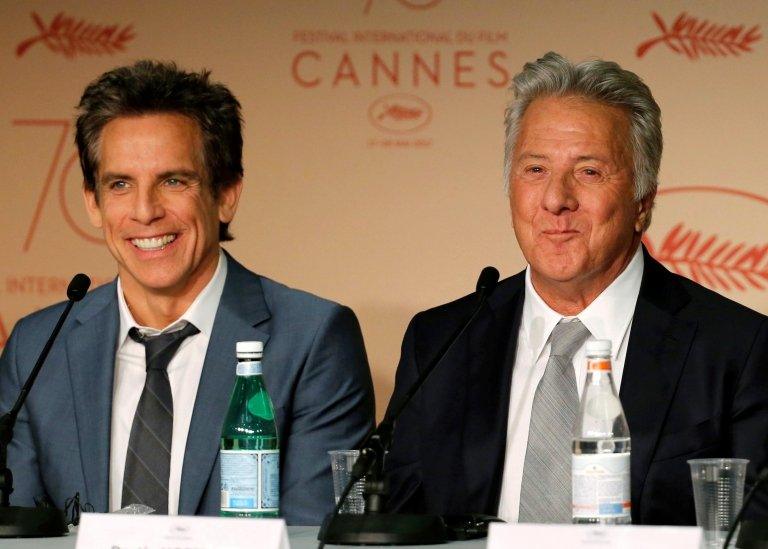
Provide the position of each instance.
(757, 536)
(18, 522)
(374, 527)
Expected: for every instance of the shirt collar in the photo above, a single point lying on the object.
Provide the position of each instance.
(201, 312)
(607, 317)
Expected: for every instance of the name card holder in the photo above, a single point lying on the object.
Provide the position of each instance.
(558, 536)
(117, 531)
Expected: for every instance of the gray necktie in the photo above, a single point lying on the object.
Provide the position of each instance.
(148, 461)
(545, 492)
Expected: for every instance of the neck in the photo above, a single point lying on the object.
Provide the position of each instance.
(571, 297)
(158, 307)
(157, 310)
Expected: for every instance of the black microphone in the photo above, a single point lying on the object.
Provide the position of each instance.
(487, 281)
(40, 521)
(78, 287)
(374, 527)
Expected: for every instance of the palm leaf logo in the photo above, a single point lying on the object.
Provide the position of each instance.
(72, 37)
(715, 263)
(693, 38)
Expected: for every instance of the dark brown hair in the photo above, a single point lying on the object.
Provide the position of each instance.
(148, 87)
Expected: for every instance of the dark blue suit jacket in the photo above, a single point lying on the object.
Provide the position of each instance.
(695, 384)
(315, 370)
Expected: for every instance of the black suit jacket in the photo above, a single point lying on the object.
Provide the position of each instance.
(695, 384)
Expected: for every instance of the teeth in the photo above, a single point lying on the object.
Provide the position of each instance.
(155, 243)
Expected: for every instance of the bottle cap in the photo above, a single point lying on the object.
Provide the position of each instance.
(599, 347)
(249, 349)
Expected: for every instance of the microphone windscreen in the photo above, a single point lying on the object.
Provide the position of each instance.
(78, 287)
(487, 280)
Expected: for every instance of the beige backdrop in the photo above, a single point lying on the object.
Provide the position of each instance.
(373, 138)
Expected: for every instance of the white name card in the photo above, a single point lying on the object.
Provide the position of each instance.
(558, 536)
(116, 531)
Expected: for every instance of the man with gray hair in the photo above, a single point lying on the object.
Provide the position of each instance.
(583, 148)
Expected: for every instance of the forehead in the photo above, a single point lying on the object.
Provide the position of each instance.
(150, 139)
(575, 121)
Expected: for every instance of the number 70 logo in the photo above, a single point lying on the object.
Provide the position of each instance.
(57, 175)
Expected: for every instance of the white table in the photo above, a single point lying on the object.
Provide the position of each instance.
(301, 537)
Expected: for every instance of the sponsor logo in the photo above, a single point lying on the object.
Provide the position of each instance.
(71, 37)
(692, 37)
(400, 113)
(411, 4)
(723, 257)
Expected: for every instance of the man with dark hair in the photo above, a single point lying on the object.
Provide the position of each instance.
(116, 419)
(583, 149)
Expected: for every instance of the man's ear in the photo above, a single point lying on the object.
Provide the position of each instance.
(644, 211)
(92, 207)
(229, 197)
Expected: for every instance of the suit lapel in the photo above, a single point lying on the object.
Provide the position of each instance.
(91, 359)
(241, 309)
(491, 346)
(658, 346)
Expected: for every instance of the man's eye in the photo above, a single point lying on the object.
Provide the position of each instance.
(535, 169)
(175, 183)
(590, 173)
(118, 185)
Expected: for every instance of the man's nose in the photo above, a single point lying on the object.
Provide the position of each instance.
(559, 194)
(147, 205)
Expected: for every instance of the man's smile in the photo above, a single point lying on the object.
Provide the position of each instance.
(153, 243)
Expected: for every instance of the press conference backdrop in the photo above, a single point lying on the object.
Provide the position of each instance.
(374, 138)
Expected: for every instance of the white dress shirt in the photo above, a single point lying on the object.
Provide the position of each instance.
(183, 372)
(609, 316)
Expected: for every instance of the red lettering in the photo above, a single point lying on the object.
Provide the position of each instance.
(433, 74)
(64, 124)
(295, 68)
(346, 70)
(459, 68)
(393, 74)
(503, 80)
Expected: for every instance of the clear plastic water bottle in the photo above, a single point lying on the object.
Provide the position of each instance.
(250, 455)
(601, 446)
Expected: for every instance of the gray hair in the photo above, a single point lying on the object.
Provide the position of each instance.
(598, 80)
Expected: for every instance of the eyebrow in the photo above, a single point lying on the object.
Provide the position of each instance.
(582, 158)
(188, 174)
(534, 156)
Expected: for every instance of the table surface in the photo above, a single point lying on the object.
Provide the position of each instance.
(301, 537)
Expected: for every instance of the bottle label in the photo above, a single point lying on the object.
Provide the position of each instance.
(598, 364)
(250, 480)
(601, 485)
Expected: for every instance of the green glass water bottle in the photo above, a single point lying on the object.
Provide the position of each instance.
(250, 455)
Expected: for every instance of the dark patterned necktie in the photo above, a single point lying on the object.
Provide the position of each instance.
(545, 492)
(148, 461)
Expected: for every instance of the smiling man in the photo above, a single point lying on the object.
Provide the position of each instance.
(109, 418)
(583, 148)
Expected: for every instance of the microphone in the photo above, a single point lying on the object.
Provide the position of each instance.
(31, 521)
(78, 287)
(487, 281)
(374, 527)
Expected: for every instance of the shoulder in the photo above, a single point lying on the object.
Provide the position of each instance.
(35, 328)
(288, 307)
(286, 301)
(717, 317)
(446, 316)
